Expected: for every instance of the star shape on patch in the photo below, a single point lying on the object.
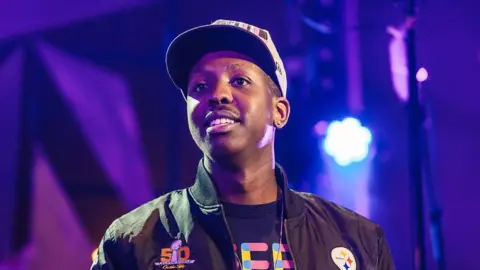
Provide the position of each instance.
(349, 260)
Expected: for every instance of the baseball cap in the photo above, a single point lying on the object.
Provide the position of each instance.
(223, 35)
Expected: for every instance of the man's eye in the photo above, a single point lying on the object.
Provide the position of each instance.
(240, 82)
(199, 87)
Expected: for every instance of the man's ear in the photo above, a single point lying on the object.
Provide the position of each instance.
(281, 112)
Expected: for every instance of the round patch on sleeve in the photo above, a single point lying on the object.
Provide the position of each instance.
(344, 259)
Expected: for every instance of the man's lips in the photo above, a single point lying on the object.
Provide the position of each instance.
(221, 128)
(220, 117)
(221, 121)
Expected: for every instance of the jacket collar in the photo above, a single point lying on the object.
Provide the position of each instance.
(205, 195)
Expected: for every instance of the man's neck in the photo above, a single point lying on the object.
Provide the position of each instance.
(251, 183)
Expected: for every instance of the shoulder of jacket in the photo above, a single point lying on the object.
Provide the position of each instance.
(131, 223)
(335, 211)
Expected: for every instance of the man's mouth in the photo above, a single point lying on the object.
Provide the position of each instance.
(221, 126)
(221, 121)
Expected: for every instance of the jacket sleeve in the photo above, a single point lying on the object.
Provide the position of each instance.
(385, 259)
(109, 252)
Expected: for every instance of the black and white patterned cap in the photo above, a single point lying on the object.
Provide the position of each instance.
(190, 46)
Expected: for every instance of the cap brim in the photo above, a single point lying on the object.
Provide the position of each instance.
(189, 47)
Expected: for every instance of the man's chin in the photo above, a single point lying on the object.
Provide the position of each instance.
(225, 147)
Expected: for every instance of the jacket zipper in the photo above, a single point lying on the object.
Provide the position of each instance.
(231, 239)
(288, 243)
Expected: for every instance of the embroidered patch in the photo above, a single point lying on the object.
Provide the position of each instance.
(175, 257)
(344, 259)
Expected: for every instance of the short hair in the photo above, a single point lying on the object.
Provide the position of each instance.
(273, 87)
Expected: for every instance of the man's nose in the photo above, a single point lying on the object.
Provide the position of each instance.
(221, 95)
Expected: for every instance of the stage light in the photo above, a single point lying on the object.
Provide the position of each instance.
(347, 141)
(422, 75)
(94, 254)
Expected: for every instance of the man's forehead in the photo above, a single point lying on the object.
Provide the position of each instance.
(226, 60)
(234, 66)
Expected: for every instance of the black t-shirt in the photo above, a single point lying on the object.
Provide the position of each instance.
(256, 233)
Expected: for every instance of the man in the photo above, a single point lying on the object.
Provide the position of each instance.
(240, 213)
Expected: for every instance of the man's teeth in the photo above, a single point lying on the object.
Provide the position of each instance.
(221, 121)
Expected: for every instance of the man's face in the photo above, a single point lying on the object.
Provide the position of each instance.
(230, 108)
